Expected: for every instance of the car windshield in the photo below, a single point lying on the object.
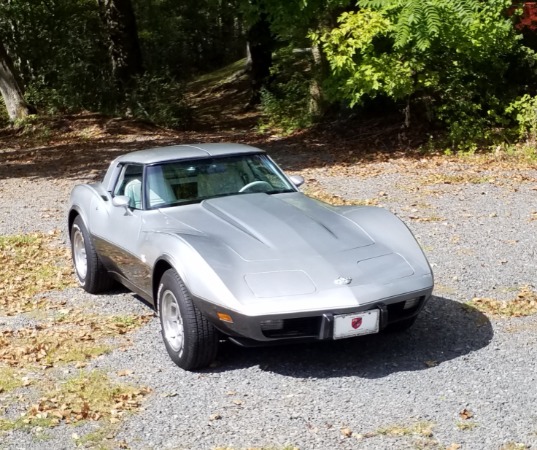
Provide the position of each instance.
(181, 182)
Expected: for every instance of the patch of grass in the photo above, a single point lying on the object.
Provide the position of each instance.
(73, 337)
(87, 396)
(24, 422)
(31, 264)
(465, 426)
(422, 428)
(9, 380)
(514, 446)
(102, 438)
(524, 304)
(212, 79)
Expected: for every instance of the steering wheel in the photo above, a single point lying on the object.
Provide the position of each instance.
(255, 183)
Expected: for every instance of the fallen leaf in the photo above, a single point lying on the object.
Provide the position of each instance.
(466, 414)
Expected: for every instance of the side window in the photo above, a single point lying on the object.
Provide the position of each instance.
(129, 183)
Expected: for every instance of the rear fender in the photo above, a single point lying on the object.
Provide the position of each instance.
(84, 199)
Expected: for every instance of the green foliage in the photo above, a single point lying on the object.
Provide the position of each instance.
(524, 112)
(286, 104)
(158, 99)
(359, 69)
(185, 37)
(420, 22)
(58, 48)
(461, 57)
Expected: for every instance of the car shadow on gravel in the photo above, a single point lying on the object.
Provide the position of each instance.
(445, 330)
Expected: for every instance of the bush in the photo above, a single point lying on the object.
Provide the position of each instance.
(286, 103)
(160, 100)
(465, 56)
(524, 113)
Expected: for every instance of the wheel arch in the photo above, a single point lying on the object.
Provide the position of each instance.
(73, 214)
(161, 266)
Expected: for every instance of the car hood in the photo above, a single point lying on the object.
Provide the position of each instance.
(261, 227)
(289, 246)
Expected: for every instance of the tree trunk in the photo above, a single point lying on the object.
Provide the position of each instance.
(259, 47)
(124, 47)
(318, 104)
(11, 88)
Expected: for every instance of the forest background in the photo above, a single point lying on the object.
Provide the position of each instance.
(462, 71)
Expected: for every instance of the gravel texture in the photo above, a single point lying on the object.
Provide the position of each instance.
(407, 390)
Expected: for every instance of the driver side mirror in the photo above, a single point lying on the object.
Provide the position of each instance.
(122, 201)
(297, 180)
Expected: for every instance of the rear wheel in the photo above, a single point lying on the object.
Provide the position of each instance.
(191, 341)
(89, 269)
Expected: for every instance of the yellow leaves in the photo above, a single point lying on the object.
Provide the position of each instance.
(524, 304)
(71, 338)
(88, 396)
(31, 264)
(315, 191)
(467, 177)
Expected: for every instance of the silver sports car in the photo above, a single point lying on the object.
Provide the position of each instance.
(223, 244)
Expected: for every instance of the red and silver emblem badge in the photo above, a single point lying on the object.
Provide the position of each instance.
(356, 322)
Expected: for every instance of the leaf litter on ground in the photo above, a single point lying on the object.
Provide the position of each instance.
(34, 264)
(524, 304)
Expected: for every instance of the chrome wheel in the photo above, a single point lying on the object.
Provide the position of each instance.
(79, 253)
(172, 322)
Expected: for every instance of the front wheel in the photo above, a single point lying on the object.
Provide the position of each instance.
(190, 339)
(89, 270)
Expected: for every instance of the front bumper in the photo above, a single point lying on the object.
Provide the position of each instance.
(311, 326)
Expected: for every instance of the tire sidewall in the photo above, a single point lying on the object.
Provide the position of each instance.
(79, 226)
(163, 286)
(168, 282)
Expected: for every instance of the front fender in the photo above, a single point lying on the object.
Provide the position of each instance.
(388, 229)
(200, 278)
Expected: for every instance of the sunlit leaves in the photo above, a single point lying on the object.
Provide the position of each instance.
(72, 337)
(419, 22)
(524, 304)
(31, 264)
(88, 396)
(358, 67)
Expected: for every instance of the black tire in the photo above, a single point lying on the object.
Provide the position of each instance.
(400, 326)
(190, 339)
(91, 275)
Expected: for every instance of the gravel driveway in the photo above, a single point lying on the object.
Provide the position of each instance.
(457, 379)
